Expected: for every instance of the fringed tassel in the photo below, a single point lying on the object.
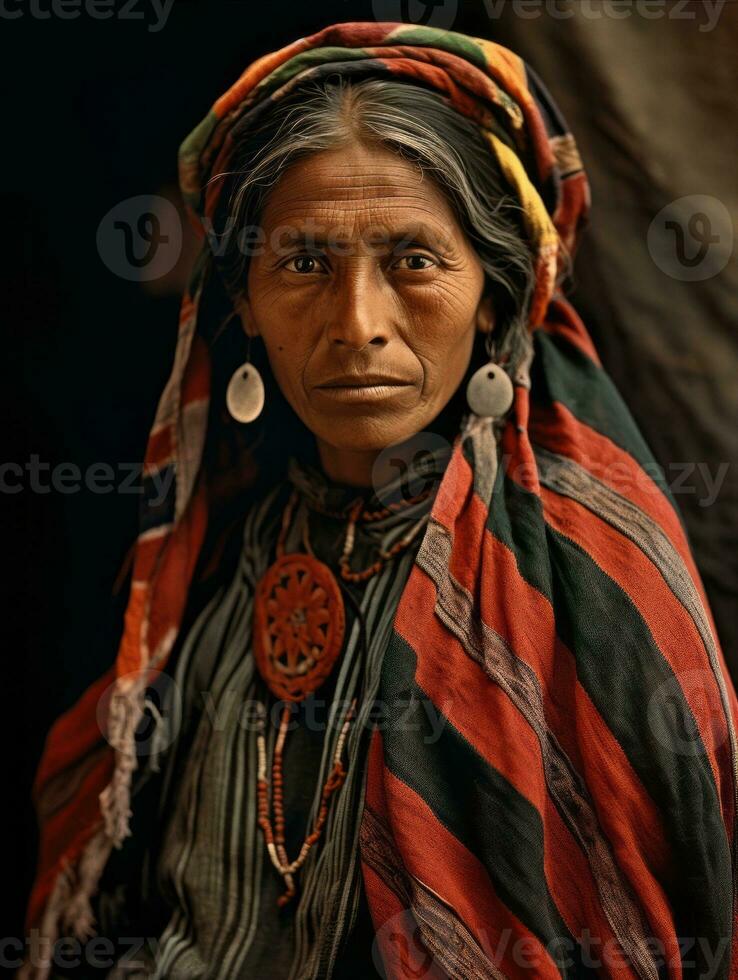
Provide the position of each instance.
(69, 905)
(77, 916)
(483, 434)
(37, 964)
(125, 713)
(126, 709)
(160, 737)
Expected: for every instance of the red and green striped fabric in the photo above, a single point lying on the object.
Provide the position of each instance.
(555, 791)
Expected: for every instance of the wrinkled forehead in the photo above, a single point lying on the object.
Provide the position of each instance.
(358, 192)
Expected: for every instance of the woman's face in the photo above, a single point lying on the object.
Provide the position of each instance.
(366, 293)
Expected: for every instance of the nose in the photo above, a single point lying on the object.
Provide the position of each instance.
(356, 316)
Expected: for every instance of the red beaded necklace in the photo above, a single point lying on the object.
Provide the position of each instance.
(299, 625)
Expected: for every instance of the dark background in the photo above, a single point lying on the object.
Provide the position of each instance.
(93, 114)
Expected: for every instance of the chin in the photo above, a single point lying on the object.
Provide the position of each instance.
(362, 435)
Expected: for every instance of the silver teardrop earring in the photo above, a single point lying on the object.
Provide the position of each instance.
(490, 390)
(245, 392)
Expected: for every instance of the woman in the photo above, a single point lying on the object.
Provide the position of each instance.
(445, 691)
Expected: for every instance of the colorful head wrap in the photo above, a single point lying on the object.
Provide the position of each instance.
(579, 800)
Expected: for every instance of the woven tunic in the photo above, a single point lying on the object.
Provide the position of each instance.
(193, 900)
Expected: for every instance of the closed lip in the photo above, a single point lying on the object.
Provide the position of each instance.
(362, 381)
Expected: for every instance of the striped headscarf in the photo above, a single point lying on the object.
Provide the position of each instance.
(579, 802)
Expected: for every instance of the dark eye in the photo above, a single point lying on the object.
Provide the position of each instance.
(415, 262)
(304, 264)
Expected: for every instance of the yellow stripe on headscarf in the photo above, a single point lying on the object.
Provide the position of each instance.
(537, 220)
(538, 224)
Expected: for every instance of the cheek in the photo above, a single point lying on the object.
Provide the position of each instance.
(285, 333)
(443, 321)
(287, 358)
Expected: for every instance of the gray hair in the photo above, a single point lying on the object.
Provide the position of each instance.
(420, 126)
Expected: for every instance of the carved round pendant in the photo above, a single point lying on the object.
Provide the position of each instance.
(299, 622)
